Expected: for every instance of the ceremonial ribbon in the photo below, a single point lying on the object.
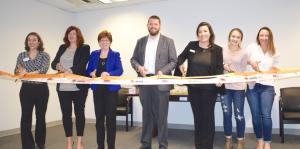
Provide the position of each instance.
(158, 80)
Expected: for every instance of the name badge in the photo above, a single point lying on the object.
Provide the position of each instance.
(191, 50)
(25, 59)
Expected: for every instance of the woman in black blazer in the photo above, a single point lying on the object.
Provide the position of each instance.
(72, 58)
(204, 59)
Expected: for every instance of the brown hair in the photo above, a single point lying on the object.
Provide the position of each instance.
(154, 17)
(79, 36)
(41, 45)
(271, 47)
(212, 34)
(104, 34)
(238, 30)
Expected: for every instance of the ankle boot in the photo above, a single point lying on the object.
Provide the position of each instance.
(240, 144)
(228, 143)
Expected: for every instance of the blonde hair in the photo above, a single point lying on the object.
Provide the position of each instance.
(238, 30)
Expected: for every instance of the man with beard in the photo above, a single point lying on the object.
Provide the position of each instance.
(154, 54)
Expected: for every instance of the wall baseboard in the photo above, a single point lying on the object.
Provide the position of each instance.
(221, 129)
(217, 128)
(17, 130)
(139, 124)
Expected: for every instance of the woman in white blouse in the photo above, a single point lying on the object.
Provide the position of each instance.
(263, 57)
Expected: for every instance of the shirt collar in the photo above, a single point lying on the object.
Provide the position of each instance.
(156, 37)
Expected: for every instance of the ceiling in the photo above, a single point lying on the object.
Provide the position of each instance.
(80, 5)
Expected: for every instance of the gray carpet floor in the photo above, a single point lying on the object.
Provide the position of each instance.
(178, 139)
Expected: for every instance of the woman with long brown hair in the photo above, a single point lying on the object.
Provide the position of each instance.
(260, 95)
(72, 58)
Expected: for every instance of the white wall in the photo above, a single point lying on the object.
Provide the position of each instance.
(179, 21)
(127, 24)
(18, 18)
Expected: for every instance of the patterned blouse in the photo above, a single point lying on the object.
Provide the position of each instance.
(40, 63)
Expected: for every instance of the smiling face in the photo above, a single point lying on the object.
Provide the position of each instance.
(203, 34)
(153, 26)
(33, 42)
(235, 38)
(263, 37)
(72, 36)
(104, 43)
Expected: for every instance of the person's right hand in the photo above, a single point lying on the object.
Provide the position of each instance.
(93, 74)
(228, 68)
(255, 65)
(60, 68)
(183, 70)
(21, 70)
(142, 70)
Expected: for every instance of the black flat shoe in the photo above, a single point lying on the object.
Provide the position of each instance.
(40, 146)
(144, 147)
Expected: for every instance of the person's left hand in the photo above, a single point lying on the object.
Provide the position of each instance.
(104, 75)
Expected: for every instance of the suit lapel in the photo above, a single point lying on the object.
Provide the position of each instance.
(77, 52)
(159, 45)
(109, 60)
(96, 62)
(158, 50)
(143, 47)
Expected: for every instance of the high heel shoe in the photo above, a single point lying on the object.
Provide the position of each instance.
(40, 146)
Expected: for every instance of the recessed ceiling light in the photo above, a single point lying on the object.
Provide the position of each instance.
(111, 1)
(106, 1)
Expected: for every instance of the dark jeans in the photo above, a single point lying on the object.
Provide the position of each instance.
(105, 103)
(203, 105)
(237, 98)
(78, 98)
(33, 95)
(260, 100)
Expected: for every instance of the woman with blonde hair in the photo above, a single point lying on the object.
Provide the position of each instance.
(235, 60)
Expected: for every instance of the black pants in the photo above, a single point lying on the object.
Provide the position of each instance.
(78, 98)
(203, 105)
(33, 95)
(105, 103)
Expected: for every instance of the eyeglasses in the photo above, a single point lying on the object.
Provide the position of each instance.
(106, 41)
